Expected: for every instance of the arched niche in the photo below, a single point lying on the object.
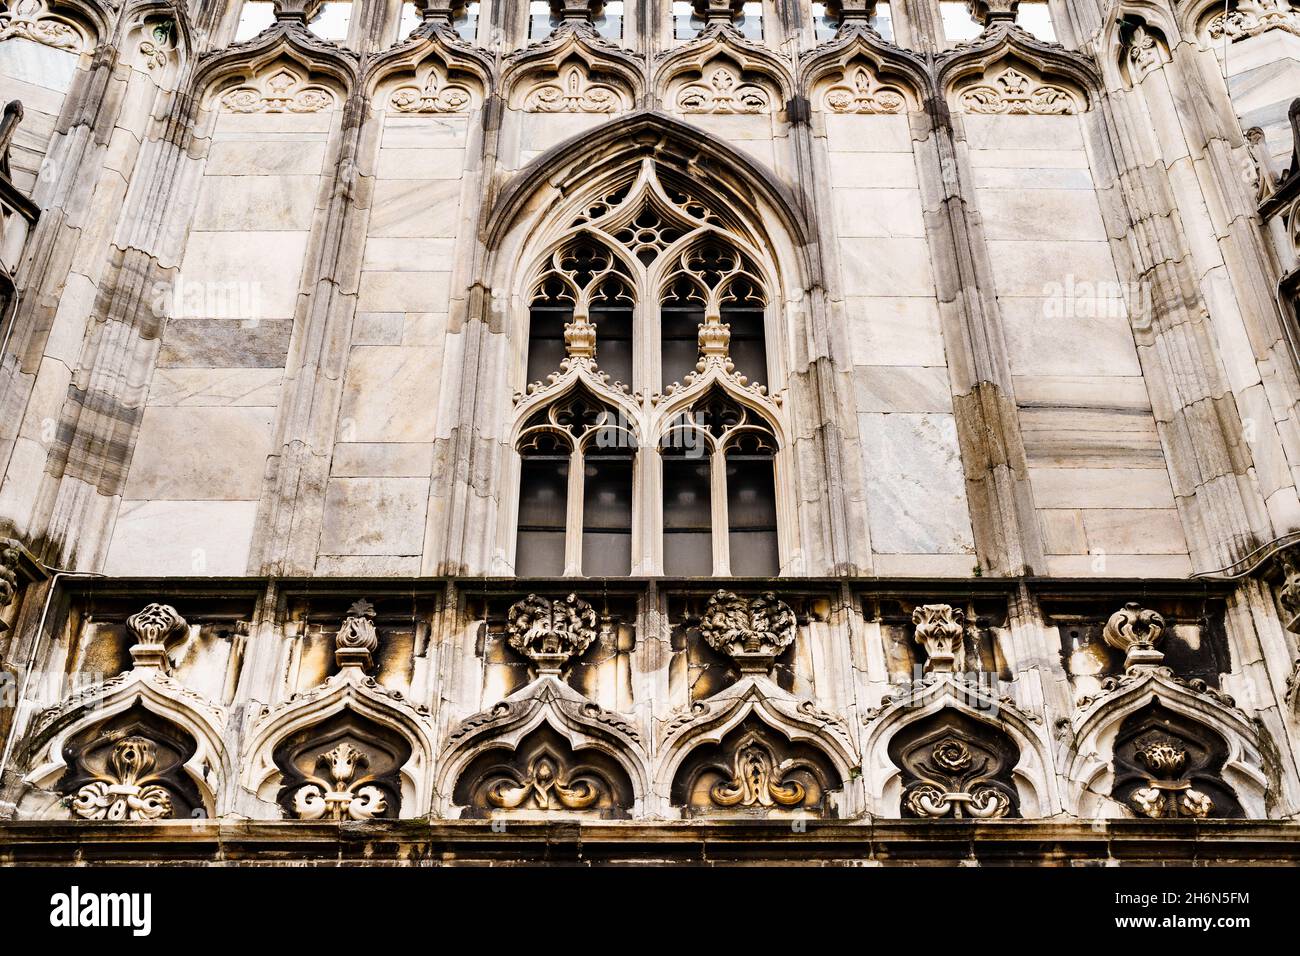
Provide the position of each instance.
(1167, 765)
(130, 766)
(541, 777)
(955, 767)
(756, 771)
(345, 768)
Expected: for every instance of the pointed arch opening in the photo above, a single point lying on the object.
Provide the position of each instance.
(653, 288)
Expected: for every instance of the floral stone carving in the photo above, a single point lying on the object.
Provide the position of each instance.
(156, 629)
(131, 792)
(356, 642)
(755, 770)
(346, 794)
(940, 629)
(1135, 630)
(551, 632)
(1012, 92)
(955, 767)
(752, 632)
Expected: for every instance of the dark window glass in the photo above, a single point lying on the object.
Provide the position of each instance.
(607, 513)
(751, 513)
(679, 330)
(688, 519)
(546, 322)
(613, 339)
(543, 505)
(748, 347)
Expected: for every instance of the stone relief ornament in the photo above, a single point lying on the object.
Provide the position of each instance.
(551, 632)
(1167, 765)
(751, 631)
(346, 794)
(284, 91)
(346, 767)
(940, 629)
(1144, 53)
(722, 91)
(547, 785)
(32, 20)
(156, 629)
(1012, 92)
(757, 779)
(434, 96)
(1166, 795)
(1249, 18)
(754, 770)
(544, 775)
(158, 43)
(574, 92)
(953, 767)
(859, 93)
(1135, 630)
(130, 791)
(357, 640)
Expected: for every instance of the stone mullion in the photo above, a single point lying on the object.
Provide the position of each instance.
(1196, 416)
(1259, 682)
(76, 155)
(471, 452)
(1003, 519)
(833, 533)
(1245, 256)
(291, 510)
(87, 468)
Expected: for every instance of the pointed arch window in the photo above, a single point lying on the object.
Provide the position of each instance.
(648, 443)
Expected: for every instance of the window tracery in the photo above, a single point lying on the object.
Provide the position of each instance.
(646, 356)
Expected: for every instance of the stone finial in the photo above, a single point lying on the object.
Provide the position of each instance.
(988, 12)
(718, 11)
(577, 11)
(1135, 630)
(296, 11)
(580, 338)
(551, 632)
(848, 12)
(715, 339)
(156, 629)
(441, 11)
(356, 642)
(751, 631)
(940, 629)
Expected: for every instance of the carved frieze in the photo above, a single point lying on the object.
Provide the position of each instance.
(282, 91)
(1167, 765)
(1014, 92)
(544, 775)
(955, 767)
(723, 90)
(858, 92)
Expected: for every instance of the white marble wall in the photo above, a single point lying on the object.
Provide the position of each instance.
(1100, 484)
(195, 478)
(916, 495)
